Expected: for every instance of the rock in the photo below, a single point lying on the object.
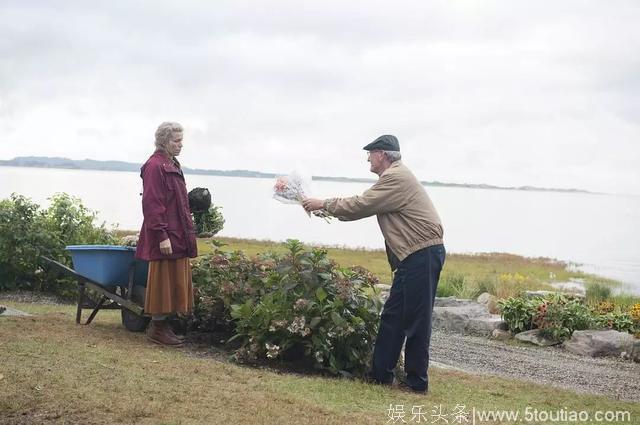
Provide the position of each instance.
(8, 311)
(2, 309)
(486, 325)
(383, 290)
(501, 335)
(601, 343)
(452, 302)
(383, 287)
(541, 294)
(535, 337)
(484, 298)
(465, 316)
(490, 302)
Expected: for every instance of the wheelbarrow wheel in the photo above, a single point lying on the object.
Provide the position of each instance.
(130, 320)
(133, 322)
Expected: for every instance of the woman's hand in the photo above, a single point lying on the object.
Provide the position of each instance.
(165, 247)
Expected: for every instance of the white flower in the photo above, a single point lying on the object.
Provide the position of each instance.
(272, 350)
(301, 304)
(297, 326)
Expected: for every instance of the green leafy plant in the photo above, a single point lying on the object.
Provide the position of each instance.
(208, 223)
(27, 231)
(518, 313)
(559, 316)
(619, 321)
(297, 306)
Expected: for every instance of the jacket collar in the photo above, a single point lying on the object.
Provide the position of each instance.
(393, 166)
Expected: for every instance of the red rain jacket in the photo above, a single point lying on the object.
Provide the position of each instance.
(165, 205)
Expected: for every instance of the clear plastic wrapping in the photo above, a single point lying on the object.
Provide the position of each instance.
(293, 189)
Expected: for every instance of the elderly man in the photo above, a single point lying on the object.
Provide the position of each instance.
(413, 240)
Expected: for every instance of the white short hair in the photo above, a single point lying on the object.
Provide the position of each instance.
(167, 132)
(393, 155)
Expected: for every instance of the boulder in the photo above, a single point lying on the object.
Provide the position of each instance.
(535, 336)
(464, 316)
(383, 290)
(383, 287)
(490, 302)
(535, 294)
(452, 302)
(8, 311)
(501, 335)
(601, 343)
(485, 325)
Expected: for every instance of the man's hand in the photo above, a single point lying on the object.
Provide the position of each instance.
(165, 247)
(311, 204)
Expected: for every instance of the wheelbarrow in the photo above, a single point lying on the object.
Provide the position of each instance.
(112, 272)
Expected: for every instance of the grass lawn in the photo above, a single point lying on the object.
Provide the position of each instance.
(54, 371)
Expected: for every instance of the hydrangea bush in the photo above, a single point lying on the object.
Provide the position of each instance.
(295, 306)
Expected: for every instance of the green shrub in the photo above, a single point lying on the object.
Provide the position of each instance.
(621, 321)
(597, 292)
(450, 285)
(295, 306)
(558, 316)
(208, 223)
(518, 313)
(27, 232)
(23, 238)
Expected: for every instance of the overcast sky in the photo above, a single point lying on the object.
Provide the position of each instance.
(543, 93)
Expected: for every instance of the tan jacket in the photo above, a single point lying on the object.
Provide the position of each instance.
(406, 215)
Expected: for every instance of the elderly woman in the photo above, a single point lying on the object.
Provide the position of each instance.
(167, 238)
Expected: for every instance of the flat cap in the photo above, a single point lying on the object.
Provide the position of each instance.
(384, 143)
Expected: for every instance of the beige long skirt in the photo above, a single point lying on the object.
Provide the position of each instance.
(169, 287)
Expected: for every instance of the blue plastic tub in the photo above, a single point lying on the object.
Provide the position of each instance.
(108, 264)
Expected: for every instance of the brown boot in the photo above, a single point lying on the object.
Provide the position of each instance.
(159, 334)
(171, 332)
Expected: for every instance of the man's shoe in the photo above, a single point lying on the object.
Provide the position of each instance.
(405, 387)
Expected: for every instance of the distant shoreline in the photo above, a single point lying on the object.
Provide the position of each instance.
(89, 164)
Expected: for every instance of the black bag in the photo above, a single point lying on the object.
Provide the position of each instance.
(199, 200)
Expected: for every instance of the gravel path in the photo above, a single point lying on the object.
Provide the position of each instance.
(554, 366)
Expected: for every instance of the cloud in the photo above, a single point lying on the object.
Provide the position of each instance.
(509, 93)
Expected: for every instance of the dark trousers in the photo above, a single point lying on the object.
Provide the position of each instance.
(407, 314)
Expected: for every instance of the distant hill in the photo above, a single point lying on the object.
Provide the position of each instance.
(90, 164)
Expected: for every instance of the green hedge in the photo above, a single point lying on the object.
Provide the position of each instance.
(299, 306)
(28, 231)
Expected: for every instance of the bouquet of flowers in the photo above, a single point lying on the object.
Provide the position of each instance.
(292, 189)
